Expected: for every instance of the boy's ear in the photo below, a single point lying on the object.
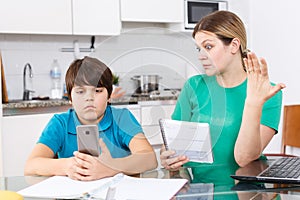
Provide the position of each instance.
(235, 45)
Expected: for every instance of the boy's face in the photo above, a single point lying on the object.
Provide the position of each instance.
(89, 103)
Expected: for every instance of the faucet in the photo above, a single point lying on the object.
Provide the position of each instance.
(25, 90)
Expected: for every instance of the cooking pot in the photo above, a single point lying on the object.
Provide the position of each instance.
(146, 83)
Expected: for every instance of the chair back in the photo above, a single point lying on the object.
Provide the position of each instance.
(291, 127)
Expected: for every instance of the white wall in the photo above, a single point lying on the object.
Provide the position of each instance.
(275, 34)
(149, 50)
(1, 152)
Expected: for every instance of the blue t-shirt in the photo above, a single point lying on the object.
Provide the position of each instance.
(117, 128)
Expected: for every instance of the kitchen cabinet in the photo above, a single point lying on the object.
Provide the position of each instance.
(19, 135)
(67, 17)
(166, 11)
(94, 17)
(36, 17)
(150, 114)
(135, 109)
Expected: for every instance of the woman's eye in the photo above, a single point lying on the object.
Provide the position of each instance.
(198, 49)
(208, 46)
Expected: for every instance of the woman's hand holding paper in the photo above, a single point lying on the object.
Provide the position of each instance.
(171, 162)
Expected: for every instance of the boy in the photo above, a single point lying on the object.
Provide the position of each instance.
(124, 147)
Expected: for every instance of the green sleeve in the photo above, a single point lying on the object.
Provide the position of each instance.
(182, 109)
(272, 111)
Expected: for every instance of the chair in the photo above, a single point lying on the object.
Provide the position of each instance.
(290, 129)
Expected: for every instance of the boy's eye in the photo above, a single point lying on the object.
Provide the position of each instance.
(98, 90)
(79, 91)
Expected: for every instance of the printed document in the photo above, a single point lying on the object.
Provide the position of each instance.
(125, 187)
(187, 138)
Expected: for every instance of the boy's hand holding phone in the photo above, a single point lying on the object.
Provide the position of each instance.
(92, 168)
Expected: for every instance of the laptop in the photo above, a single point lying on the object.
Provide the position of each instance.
(285, 170)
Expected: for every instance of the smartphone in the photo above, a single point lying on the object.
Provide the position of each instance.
(88, 139)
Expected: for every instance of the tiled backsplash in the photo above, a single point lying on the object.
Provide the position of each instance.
(169, 54)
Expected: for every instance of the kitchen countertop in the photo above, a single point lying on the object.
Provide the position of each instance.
(140, 100)
(19, 107)
(36, 103)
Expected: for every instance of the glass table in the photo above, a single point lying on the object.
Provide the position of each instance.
(206, 183)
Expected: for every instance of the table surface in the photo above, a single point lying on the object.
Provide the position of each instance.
(214, 183)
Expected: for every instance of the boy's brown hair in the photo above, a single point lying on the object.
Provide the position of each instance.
(88, 71)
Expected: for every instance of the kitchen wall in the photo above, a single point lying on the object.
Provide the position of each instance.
(275, 34)
(140, 49)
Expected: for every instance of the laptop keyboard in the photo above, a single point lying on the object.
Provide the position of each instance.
(286, 167)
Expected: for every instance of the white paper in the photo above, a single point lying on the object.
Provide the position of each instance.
(61, 187)
(188, 138)
(127, 188)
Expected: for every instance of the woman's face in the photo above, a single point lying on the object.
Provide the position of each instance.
(89, 103)
(213, 54)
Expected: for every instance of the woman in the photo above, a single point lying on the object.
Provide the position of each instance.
(235, 95)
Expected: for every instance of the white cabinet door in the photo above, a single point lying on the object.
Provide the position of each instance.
(151, 114)
(36, 16)
(134, 109)
(19, 135)
(149, 120)
(153, 134)
(96, 17)
(169, 11)
(148, 116)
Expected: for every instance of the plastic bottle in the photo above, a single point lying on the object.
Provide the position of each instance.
(55, 74)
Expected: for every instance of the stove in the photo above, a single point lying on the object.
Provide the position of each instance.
(157, 94)
(145, 94)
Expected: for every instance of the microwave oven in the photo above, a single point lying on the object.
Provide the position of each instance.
(196, 9)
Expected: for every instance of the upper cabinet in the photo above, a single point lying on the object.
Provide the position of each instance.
(96, 17)
(77, 17)
(36, 16)
(166, 11)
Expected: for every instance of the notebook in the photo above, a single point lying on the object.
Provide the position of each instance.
(285, 170)
(187, 138)
(118, 187)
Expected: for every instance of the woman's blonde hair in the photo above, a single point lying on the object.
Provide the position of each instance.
(227, 26)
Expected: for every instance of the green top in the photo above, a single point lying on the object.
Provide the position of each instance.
(202, 99)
